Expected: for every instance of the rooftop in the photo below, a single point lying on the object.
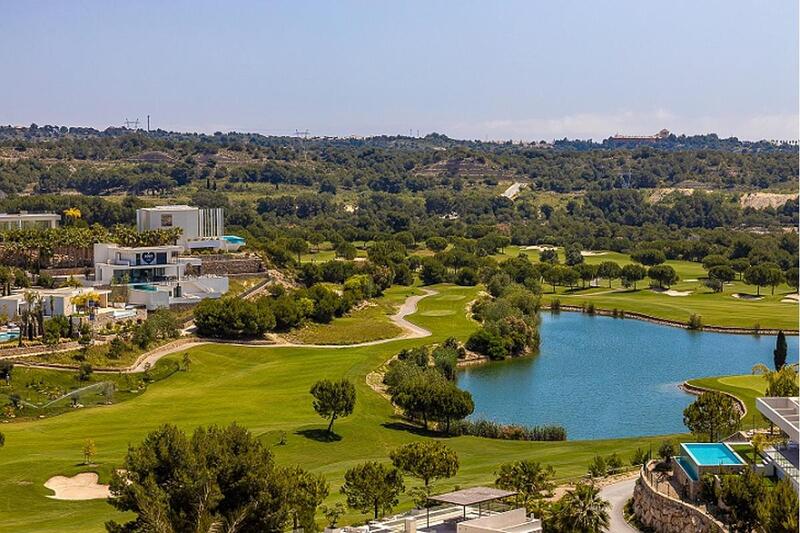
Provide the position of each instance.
(783, 412)
(181, 207)
(472, 496)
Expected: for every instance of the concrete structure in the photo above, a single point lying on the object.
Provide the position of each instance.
(25, 220)
(514, 521)
(201, 228)
(155, 275)
(784, 458)
(700, 458)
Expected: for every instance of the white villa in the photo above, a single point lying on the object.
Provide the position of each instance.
(155, 275)
(55, 302)
(784, 413)
(25, 220)
(201, 228)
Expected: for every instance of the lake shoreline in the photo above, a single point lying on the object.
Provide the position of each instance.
(674, 323)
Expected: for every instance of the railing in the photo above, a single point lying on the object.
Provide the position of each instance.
(780, 460)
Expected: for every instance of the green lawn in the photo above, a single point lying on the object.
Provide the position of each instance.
(367, 324)
(266, 390)
(745, 387)
(715, 309)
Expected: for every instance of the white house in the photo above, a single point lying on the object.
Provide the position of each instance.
(55, 302)
(784, 457)
(155, 275)
(25, 220)
(201, 228)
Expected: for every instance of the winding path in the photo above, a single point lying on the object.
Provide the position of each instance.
(617, 494)
(410, 331)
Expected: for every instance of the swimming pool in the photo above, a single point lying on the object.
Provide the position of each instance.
(711, 454)
(145, 287)
(234, 239)
(6, 336)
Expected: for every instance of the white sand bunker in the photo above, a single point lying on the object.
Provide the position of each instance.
(540, 247)
(741, 296)
(590, 253)
(83, 486)
(672, 292)
(791, 299)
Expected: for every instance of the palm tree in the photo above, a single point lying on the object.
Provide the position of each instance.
(582, 510)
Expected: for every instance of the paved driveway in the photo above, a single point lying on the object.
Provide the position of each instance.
(617, 494)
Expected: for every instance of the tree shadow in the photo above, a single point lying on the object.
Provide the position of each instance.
(416, 430)
(319, 435)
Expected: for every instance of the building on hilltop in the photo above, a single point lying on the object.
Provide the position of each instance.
(25, 220)
(663, 134)
(202, 228)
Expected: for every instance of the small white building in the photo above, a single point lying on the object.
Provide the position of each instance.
(155, 275)
(55, 302)
(201, 228)
(784, 457)
(25, 220)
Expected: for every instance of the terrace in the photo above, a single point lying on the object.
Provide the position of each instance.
(784, 413)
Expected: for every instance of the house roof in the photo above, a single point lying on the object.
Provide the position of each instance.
(472, 496)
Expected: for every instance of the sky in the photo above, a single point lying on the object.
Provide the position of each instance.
(505, 69)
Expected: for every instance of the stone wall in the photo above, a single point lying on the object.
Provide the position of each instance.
(230, 264)
(665, 514)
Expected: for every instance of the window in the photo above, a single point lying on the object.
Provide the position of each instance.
(166, 221)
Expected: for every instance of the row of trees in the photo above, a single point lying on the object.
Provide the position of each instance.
(226, 479)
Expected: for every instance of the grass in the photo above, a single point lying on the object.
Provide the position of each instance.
(715, 309)
(745, 387)
(366, 324)
(266, 390)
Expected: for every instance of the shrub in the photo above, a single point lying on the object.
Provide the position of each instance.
(695, 321)
(598, 466)
(494, 430)
(555, 305)
(640, 457)
(590, 308)
(613, 463)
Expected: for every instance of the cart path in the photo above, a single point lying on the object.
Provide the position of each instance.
(410, 331)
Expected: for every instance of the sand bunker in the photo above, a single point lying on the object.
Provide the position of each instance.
(83, 486)
(791, 299)
(672, 292)
(540, 247)
(747, 296)
(590, 253)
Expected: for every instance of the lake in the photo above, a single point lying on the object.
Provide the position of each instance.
(602, 377)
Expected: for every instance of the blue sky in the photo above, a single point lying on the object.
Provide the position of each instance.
(496, 70)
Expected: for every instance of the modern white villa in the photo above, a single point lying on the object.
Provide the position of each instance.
(785, 414)
(55, 302)
(25, 220)
(155, 275)
(201, 228)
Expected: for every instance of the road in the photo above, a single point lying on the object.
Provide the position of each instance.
(618, 494)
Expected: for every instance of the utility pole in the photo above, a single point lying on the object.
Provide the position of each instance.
(131, 124)
(148, 123)
(303, 135)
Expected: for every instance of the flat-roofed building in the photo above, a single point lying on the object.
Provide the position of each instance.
(200, 227)
(25, 220)
(784, 457)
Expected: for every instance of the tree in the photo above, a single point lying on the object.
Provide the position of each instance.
(665, 275)
(792, 277)
(779, 353)
(333, 399)
(6, 368)
(549, 255)
(433, 271)
(86, 339)
(345, 250)
(573, 255)
(779, 515)
(631, 274)
(436, 244)
(372, 487)
(52, 334)
(762, 276)
(666, 451)
(428, 461)
(649, 257)
(609, 270)
(89, 451)
(713, 414)
(582, 510)
(297, 246)
(721, 274)
(744, 495)
(306, 492)
(529, 479)
(781, 382)
(85, 372)
(220, 479)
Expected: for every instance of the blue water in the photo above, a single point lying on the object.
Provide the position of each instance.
(233, 239)
(601, 377)
(8, 335)
(711, 454)
(688, 467)
(145, 287)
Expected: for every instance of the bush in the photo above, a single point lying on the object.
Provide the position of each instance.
(555, 305)
(598, 466)
(695, 321)
(85, 372)
(613, 463)
(494, 430)
(666, 450)
(640, 457)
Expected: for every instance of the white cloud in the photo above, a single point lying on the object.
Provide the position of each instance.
(601, 125)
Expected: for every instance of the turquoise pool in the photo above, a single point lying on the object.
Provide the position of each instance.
(145, 287)
(233, 239)
(6, 336)
(711, 454)
(688, 467)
